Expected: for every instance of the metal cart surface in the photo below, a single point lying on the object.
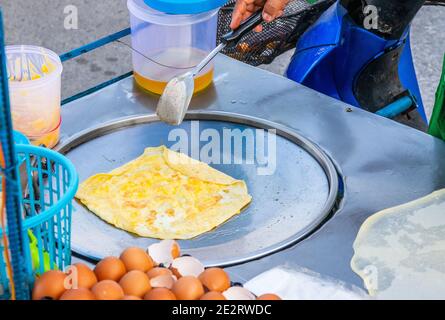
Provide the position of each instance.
(380, 163)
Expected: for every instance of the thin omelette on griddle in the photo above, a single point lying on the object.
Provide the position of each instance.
(164, 195)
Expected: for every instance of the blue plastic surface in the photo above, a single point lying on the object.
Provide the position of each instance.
(332, 53)
(185, 6)
(397, 107)
(407, 73)
(94, 45)
(10, 174)
(48, 215)
(20, 138)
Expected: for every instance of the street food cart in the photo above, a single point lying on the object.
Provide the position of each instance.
(332, 166)
(378, 164)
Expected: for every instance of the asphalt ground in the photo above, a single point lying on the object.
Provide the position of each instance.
(41, 22)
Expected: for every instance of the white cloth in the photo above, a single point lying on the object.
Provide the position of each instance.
(302, 284)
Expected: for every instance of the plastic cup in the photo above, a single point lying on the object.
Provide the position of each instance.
(168, 45)
(48, 139)
(34, 75)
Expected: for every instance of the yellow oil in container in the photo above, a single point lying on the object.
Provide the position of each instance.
(201, 82)
(153, 77)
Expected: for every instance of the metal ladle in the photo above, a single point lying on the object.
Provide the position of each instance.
(178, 93)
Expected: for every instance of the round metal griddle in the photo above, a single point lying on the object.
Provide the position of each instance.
(286, 206)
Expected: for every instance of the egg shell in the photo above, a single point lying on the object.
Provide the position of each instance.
(156, 272)
(110, 268)
(136, 259)
(213, 295)
(269, 296)
(160, 294)
(238, 293)
(108, 290)
(85, 277)
(164, 252)
(78, 294)
(215, 279)
(187, 266)
(176, 250)
(166, 281)
(51, 284)
(188, 288)
(135, 283)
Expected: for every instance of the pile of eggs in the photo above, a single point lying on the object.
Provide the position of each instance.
(160, 273)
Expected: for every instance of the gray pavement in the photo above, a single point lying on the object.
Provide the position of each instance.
(41, 22)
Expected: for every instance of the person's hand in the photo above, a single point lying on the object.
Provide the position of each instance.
(272, 9)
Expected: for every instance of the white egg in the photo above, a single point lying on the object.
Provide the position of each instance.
(164, 252)
(238, 293)
(187, 266)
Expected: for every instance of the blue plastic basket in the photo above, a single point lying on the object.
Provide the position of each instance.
(49, 182)
(20, 138)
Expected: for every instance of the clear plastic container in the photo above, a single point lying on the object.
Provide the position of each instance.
(48, 139)
(167, 45)
(34, 75)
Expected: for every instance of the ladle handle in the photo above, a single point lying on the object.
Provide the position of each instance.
(232, 38)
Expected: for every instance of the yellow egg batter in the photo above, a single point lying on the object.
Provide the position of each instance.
(164, 195)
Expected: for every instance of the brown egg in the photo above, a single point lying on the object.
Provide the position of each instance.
(163, 282)
(269, 296)
(50, 285)
(135, 283)
(108, 290)
(78, 294)
(110, 268)
(188, 288)
(160, 294)
(213, 295)
(215, 279)
(156, 272)
(86, 278)
(136, 259)
(131, 298)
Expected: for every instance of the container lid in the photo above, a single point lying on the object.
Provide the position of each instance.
(185, 6)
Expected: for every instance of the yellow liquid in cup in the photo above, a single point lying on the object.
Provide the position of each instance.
(148, 74)
(49, 140)
(157, 87)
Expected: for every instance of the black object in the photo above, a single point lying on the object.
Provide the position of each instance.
(394, 16)
(232, 37)
(237, 284)
(283, 34)
(279, 36)
(379, 83)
